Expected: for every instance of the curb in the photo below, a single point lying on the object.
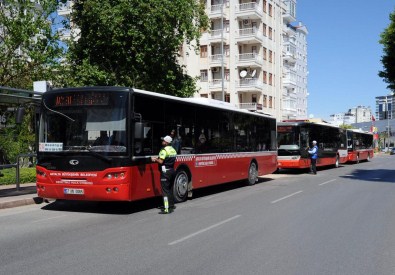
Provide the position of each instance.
(20, 202)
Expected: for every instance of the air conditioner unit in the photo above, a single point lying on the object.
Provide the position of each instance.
(215, 69)
(246, 22)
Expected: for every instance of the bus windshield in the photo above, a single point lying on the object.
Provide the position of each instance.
(83, 122)
(287, 137)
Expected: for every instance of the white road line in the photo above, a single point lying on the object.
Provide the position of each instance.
(286, 197)
(326, 182)
(203, 230)
(44, 220)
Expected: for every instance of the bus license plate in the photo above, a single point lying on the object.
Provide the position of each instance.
(73, 191)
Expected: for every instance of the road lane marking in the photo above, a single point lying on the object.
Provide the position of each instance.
(286, 197)
(203, 230)
(47, 219)
(326, 182)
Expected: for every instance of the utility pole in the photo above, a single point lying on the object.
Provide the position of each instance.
(222, 50)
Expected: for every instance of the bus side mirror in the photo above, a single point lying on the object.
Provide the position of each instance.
(20, 113)
(138, 130)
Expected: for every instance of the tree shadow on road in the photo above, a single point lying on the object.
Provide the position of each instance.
(374, 175)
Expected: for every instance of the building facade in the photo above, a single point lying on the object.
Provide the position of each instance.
(384, 108)
(252, 57)
(354, 115)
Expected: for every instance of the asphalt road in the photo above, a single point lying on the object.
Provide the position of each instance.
(341, 221)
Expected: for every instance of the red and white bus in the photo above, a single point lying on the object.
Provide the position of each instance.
(359, 145)
(295, 136)
(220, 143)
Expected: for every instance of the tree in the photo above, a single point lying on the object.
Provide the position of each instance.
(134, 43)
(29, 48)
(388, 59)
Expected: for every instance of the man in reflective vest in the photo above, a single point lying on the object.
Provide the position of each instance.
(166, 160)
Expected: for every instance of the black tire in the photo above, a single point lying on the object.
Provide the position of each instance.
(368, 159)
(252, 174)
(180, 186)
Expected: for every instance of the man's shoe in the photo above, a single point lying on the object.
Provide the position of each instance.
(166, 211)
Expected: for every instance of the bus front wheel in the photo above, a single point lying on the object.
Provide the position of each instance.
(252, 174)
(180, 186)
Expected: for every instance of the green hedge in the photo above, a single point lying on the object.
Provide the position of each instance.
(26, 175)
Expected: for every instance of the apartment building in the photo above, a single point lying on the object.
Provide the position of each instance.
(264, 64)
(384, 108)
(354, 115)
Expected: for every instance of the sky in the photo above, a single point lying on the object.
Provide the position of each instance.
(344, 55)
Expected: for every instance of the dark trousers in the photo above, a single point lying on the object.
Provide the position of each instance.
(166, 182)
(314, 166)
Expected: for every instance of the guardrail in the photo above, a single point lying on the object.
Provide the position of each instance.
(17, 166)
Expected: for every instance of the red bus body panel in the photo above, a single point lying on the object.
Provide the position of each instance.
(303, 163)
(140, 182)
(362, 154)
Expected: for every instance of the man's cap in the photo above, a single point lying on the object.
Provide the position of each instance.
(168, 139)
(314, 142)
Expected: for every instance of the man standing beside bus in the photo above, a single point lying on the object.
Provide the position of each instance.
(314, 156)
(166, 160)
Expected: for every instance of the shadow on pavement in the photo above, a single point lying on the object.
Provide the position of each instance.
(126, 208)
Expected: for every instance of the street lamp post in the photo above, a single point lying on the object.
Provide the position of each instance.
(388, 123)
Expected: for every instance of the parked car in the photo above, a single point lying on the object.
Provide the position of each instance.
(392, 151)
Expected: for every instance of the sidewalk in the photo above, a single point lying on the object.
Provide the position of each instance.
(10, 197)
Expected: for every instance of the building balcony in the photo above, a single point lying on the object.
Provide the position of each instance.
(216, 85)
(249, 84)
(216, 60)
(217, 35)
(249, 35)
(249, 60)
(289, 57)
(249, 10)
(251, 106)
(217, 11)
(289, 83)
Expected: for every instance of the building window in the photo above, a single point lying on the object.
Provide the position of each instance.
(203, 51)
(265, 101)
(270, 56)
(270, 33)
(270, 102)
(264, 53)
(203, 76)
(270, 10)
(264, 29)
(264, 77)
(264, 6)
(254, 98)
(270, 79)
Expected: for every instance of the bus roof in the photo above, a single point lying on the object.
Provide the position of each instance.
(207, 102)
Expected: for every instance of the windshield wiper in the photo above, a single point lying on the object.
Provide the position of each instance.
(56, 112)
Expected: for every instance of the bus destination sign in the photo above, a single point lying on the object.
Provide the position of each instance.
(81, 99)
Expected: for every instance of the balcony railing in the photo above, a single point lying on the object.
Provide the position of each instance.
(249, 34)
(249, 83)
(251, 106)
(250, 58)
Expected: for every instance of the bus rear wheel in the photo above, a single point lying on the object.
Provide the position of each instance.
(180, 186)
(252, 174)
